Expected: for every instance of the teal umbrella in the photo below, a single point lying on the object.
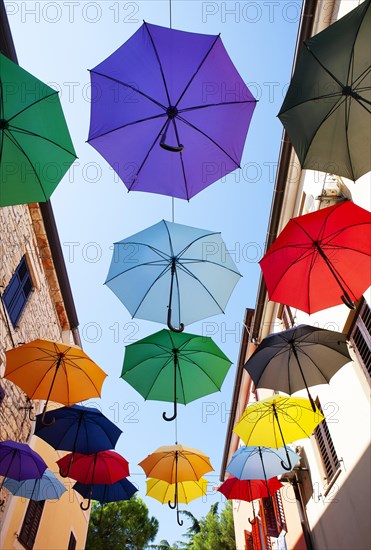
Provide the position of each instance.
(35, 145)
(178, 367)
(48, 487)
(326, 111)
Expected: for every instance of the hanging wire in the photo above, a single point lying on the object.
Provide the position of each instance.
(172, 198)
(176, 430)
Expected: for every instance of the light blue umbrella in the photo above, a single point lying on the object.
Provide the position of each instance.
(48, 487)
(172, 273)
(260, 462)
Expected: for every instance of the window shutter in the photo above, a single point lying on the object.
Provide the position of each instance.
(17, 292)
(31, 523)
(360, 339)
(268, 517)
(249, 542)
(326, 447)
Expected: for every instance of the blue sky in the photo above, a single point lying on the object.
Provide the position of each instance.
(58, 42)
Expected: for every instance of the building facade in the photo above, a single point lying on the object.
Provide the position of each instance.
(325, 502)
(35, 302)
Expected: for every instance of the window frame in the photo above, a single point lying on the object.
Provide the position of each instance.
(19, 288)
(31, 522)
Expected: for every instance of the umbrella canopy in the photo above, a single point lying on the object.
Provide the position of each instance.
(107, 492)
(18, 461)
(48, 487)
(186, 491)
(54, 371)
(35, 146)
(105, 467)
(175, 463)
(78, 429)
(178, 367)
(321, 259)
(260, 462)
(296, 358)
(97, 468)
(248, 489)
(171, 113)
(277, 420)
(326, 111)
(172, 273)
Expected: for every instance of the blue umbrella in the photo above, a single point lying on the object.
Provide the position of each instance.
(121, 490)
(78, 429)
(172, 273)
(48, 487)
(260, 462)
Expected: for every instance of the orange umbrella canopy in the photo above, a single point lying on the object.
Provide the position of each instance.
(49, 370)
(175, 463)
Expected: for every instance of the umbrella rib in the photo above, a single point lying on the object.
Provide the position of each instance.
(284, 413)
(167, 268)
(188, 272)
(103, 134)
(323, 67)
(155, 264)
(203, 370)
(159, 63)
(196, 107)
(177, 293)
(146, 157)
(210, 139)
(157, 376)
(126, 85)
(170, 242)
(300, 349)
(197, 70)
(32, 105)
(199, 261)
(197, 239)
(181, 161)
(33, 134)
(18, 146)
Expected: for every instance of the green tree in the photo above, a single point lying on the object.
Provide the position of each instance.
(213, 531)
(125, 524)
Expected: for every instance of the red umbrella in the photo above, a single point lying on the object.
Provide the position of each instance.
(104, 467)
(321, 259)
(246, 489)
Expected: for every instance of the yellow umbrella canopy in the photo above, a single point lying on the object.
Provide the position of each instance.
(277, 420)
(174, 463)
(187, 490)
(53, 371)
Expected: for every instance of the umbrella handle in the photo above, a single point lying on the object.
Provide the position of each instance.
(347, 300)
(289, 468)
(180, 521)
(43, 422)
(172, 506)
(68, 469)
(169, 324)
(170, 418)
(85, 507)
(167, 147)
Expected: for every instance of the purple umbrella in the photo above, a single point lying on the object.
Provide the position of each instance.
(169, 111)
(18, 461)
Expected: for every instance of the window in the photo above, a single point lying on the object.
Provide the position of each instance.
(18, 291)
(249, 542)
(360, 338)
(31, 523)
(286, 316)
(326, 447)
(72, 542)
(2, 394)
(272, 515)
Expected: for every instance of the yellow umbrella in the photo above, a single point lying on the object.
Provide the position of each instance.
(186, 490)
(49, 370)
(278, 420)
(174, 464)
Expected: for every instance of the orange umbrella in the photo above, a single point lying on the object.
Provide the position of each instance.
(49, 370)
(175, 464)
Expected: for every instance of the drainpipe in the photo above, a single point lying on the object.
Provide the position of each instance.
(302, 512)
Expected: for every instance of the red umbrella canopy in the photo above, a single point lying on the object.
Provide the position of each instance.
(321, 259)
(103, 467)
(246, 489)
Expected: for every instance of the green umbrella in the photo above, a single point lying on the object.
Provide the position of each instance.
(178, 367)
(35, 146)
(326, 111)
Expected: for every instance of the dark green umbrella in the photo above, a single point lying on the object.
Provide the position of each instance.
(178, 367)
(35, 146)
(326, 111)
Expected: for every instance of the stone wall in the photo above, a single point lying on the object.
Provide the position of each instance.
(21, 232)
